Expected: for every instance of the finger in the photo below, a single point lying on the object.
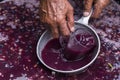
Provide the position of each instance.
(70, 18)
(55, 31)
(87, 7)
(99, 6)
(63, 28)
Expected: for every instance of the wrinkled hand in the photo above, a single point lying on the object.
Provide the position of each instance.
(59, 15)
(98, 6)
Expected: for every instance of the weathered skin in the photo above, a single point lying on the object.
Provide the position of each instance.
(59, 14)
(98, 6)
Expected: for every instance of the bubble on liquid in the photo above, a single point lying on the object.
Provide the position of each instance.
(23, 77)
(103, 36)
(3, 17)
(3, 37)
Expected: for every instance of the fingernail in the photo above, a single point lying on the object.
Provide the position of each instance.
(72, 29)
(85, 13)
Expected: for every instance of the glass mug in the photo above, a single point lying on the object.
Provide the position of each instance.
(77, 45)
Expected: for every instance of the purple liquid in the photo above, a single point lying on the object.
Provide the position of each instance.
(26, 64)
(78, 45)
(53, 57)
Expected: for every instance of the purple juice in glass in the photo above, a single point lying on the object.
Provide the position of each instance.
(80, 43)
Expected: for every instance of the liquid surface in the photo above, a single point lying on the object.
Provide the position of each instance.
(53, 57)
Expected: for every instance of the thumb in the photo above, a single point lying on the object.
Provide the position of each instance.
(87, 7)
(99, 6)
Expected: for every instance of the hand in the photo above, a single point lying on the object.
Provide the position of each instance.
(98, 6)
(59, 15)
